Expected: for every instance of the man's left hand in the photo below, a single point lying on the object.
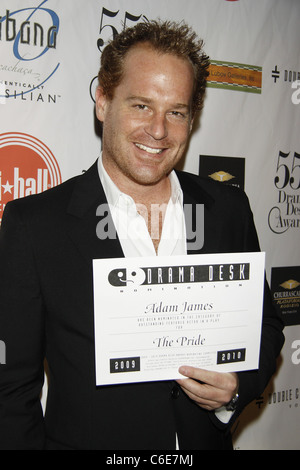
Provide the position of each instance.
(210, 390)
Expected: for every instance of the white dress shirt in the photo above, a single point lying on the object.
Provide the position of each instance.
(132, 228)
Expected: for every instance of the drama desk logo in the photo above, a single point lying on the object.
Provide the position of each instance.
(285, 287)
(167, 275)
(27, 166)
(226, 170)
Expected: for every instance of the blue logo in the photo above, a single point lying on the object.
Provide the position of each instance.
(29, 33)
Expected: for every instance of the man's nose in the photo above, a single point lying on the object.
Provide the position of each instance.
(157, 126)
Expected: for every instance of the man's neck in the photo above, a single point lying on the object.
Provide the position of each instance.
(151, 203)
(151, 200)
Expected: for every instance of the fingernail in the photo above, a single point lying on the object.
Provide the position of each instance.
(183, 370)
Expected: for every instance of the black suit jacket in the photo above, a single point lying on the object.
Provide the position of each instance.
(47, 245)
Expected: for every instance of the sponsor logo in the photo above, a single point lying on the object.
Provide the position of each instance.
(288, 77)
(27, 166)
(285, 288)
(288, 397)
(226, 170)
(234, 76)
(28, 38)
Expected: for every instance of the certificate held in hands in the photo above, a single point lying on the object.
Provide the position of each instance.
(153, 315)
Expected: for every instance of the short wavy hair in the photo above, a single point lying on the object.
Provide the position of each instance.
(165, 37)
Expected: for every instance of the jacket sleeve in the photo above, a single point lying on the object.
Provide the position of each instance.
(22, 331)
(253, 383)
(240, 229)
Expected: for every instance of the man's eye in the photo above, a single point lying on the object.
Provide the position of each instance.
(140, 106)
(178, 114)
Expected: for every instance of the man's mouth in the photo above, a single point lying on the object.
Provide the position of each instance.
(153, 151)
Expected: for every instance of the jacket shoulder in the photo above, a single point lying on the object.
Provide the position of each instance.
(51, 196)
(54, 199)
(211, 191)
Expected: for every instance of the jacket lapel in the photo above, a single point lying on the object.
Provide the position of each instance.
(82, 219)
(193, 192)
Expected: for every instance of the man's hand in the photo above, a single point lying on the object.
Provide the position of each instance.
(210, 390)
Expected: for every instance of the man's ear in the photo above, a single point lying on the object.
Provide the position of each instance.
(101, 100)
(191, 125)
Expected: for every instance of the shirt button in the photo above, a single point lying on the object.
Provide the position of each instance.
(175, 392)
(126, 201)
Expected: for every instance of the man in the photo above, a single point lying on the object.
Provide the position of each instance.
(151, 83)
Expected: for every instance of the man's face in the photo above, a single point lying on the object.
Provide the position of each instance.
(147, 123)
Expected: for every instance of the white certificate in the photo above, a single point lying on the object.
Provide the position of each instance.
(153, 315)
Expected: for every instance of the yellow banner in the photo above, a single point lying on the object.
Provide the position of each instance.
(235, 76)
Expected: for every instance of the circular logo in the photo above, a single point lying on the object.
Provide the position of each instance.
(27, 166)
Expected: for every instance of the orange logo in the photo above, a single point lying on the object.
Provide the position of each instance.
(27, 166)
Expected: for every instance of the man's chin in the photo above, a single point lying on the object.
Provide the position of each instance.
(148, 178)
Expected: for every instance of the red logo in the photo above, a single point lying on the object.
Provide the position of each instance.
(27, 166)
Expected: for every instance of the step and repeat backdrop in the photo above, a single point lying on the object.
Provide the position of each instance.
(248, 135)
